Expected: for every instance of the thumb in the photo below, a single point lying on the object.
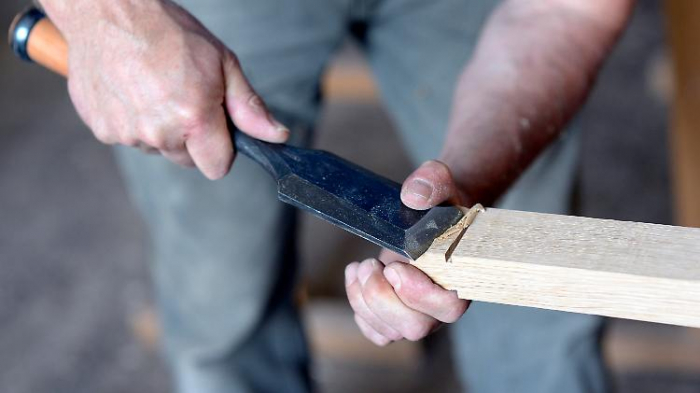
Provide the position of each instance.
(248, 111)
(428, 186)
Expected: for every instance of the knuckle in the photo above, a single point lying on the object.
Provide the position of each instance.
(192, 118)
(373, 290)
(153, 137)
(248, 105)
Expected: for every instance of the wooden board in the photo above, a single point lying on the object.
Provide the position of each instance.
(683, 36)
(613, 268)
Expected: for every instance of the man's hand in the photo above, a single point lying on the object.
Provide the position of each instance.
(392, 299)
(147, 74)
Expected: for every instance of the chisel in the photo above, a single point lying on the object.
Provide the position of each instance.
(319, 182)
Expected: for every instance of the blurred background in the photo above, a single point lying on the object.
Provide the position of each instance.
(76, 309)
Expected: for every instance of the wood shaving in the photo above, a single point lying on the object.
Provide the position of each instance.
(460, 228)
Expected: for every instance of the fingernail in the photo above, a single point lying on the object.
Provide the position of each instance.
(365, 270)
(279, 127)
(420, 188)
(350, 271)
(393, 277)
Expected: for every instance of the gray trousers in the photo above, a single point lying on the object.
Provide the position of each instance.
(223, 252)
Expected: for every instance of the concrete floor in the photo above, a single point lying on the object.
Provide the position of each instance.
(73, 268)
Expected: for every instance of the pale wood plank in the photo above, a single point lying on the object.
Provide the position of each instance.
(632, 270)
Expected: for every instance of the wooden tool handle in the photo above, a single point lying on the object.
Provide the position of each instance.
(33, 37)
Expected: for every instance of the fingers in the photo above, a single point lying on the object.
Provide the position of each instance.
(246, 108)
(378, 306)
(398, 301)
(354, 290)
(369, 332)
(210, 146)
(428, 186)
(420, 293)
(178, 105)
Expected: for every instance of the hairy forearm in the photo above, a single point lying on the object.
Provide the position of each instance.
(533, 68)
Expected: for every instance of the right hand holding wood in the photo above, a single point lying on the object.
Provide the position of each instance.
(147, 74)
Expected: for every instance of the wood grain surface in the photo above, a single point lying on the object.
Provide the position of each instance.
(632, 270)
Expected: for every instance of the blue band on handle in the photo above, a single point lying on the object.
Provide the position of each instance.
(21, 29)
